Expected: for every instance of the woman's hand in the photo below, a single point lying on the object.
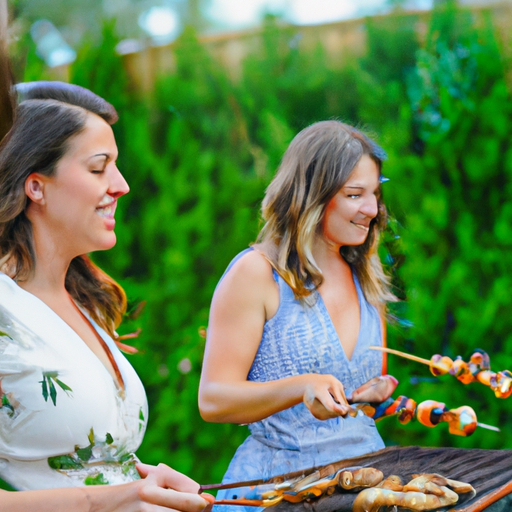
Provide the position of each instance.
(376, 390)
(324, 396)
(164, 487)
(160, 489)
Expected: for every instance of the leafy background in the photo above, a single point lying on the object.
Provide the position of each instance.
(199, 150)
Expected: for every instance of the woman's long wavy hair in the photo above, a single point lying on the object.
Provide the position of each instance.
(44, 123)
(316, 165)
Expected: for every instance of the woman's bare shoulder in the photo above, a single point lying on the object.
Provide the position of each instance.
(252, 267)
(248, 286)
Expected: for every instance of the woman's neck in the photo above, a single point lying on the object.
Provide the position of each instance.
(46, 282)
(327, 255)
(51, 265)
(48, 276)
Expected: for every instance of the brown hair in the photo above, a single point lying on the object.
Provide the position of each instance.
(49, 115)
(316, 165)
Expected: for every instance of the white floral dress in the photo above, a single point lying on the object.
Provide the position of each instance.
(64, 420)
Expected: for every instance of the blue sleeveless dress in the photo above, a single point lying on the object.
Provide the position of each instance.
(302, 339)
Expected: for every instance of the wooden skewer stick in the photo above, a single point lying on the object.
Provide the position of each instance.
(488, 427)
(403, 354)
(428, 363)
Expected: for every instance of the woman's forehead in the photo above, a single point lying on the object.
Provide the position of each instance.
(96, 137)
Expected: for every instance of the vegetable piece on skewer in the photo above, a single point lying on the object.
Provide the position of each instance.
(461, 421)
(476, 370)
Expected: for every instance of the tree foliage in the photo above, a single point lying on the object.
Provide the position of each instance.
(199, 151)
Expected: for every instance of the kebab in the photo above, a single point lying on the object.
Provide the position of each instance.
(461, 421)
(477, 369)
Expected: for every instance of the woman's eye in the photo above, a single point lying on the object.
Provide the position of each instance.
(354, 196)
(97, 171)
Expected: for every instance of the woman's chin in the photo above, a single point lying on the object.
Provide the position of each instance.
(107, 242)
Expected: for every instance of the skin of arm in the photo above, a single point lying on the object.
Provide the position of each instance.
(243, 301)
(161, 488)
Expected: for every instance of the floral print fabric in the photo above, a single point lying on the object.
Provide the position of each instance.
(63, 419)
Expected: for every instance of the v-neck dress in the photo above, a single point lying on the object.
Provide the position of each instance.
(301, 339)
(64, 420)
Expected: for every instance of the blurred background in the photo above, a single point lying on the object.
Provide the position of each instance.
(210, 93)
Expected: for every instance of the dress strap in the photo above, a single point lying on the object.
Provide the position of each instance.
(245, 251)
(119, 378)
(233, 261)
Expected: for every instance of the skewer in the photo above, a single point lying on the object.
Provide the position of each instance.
(402, 354)
(431, 365)
(477, 369)
(488, 427)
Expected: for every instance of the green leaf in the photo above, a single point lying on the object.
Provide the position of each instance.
(127, 457)
(84, 454)
(129, 469)
(5, 486)
(99, 479)
(64, 462)
(63, 386)
(53, 391)
(141, 418)
(91, 437)
(44, 388)
(7, 405)
(109, 439)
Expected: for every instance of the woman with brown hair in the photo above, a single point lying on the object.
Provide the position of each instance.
(72, 409)
(293, 316)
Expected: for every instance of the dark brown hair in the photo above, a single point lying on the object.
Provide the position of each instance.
(48, 116)
(316, 165)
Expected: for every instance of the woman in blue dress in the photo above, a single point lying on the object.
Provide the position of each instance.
(293, 316)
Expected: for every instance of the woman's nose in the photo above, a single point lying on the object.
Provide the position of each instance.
(370, 207)
(118, 185)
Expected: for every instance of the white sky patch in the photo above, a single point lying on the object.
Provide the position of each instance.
(242, 13)
(308, 12)
(246, 13)
(159, 21)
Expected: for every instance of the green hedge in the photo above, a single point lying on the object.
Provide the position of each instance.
(199, 151)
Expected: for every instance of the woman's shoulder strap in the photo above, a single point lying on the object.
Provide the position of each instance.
(234, 260)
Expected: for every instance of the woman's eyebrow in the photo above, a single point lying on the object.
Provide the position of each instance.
(105, 155)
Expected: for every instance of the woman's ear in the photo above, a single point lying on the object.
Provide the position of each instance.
(34, 188)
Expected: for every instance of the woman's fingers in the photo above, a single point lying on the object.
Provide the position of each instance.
(361, 391)
(326, 400)
(171, 499)
(377, 389)
(318, 410)
(166, 487)
(338, 393)
(210, 498)
(168, 477)
(323, 412)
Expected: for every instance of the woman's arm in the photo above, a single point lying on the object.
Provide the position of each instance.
(243, 301)
(161, 488)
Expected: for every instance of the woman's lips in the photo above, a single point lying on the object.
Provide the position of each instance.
(361, 226)
(107, 211)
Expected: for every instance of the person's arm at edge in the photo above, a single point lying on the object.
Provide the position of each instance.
(160, 488)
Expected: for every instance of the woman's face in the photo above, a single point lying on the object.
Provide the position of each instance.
(349, 213)
(80, 198)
